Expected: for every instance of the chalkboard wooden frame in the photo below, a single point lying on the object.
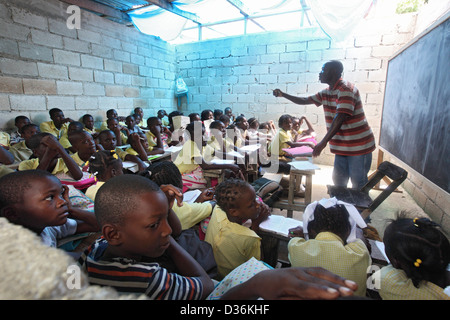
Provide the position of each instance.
(415, 124)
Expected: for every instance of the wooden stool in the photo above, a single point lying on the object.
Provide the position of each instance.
(295, 179)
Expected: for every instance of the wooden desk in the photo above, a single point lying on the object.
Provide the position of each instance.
(295, 179)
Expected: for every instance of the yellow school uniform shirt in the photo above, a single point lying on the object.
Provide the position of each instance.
(20, 151)
(232, 243)
(395, 285)
(77, 159)
(5, 139)
(185, 160)
(328, 251)
(279, 142)
(104, 125)
(121, 153)
(49, 126)
(192, 213)
(64, 141)
(32, 164)
(92, 190)
(92, 132)
(151, 140)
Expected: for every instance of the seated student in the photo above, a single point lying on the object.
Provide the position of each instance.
(84, 146)
(241, 125)
(74, 126)
(190, 160)
(253, 125)
(19, 122)
(333, 242)
(132, 212)
(114, 126)
(50, 156)
(107, 141)
(162, 114)
(419, 255)
(283, 139)
(139, 117)
(112, 113)
(89, 125)
(132, 125)
(225, 120)
(58, 125)
(298, 135)
(139, 146)
(189, 214)
(170, 119)
(217, 114)
(104, 165)
(206, 115)
(20, 150)
(155, 134)
(194, 117)
(36, 200)
(229, 113)
(232, 242)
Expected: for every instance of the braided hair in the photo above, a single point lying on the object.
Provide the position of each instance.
(101, 161)
(333, 219)
(163, 172)
(228, 192)
(420, 248)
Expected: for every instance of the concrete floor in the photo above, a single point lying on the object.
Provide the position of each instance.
(398, 203)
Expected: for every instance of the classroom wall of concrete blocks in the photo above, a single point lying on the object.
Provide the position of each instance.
(105, 65)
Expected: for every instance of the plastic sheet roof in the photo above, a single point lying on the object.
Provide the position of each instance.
(180, 21)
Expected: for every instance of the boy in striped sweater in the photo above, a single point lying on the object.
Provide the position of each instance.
(132, 212)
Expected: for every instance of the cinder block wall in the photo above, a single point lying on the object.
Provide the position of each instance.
(241, 72)
(102, 65)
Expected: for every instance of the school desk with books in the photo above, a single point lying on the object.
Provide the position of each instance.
(274, 233)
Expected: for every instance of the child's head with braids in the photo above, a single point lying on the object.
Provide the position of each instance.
(334, 219)
(237, 199)
(105, 164)
(419, 248)
(163, 172)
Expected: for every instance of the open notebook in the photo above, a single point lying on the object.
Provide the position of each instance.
(279, 224)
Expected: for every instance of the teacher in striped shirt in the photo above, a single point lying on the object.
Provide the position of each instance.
(348, 133)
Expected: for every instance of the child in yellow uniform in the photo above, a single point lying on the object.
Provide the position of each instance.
(419, 254)
(50, 156)
(332, 242)
(232, 242)
(104, 165)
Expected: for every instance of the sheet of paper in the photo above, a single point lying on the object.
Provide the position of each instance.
(235, 154)
(180, 122)
(251, 147)
(191, 195)
(221, 161)
(380, 246)
(173, 149)
(279, 224)
(304, 165)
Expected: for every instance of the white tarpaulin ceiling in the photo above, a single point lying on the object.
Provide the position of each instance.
(208, 19)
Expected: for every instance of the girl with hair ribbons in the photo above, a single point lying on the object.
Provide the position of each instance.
(331, 238)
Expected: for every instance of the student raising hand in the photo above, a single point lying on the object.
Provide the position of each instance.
(293, 283)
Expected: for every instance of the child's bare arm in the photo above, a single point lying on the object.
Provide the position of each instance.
(55, 147)
(86, 221)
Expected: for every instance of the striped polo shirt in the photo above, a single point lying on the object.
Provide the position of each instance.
(129, 276)
(355, 136)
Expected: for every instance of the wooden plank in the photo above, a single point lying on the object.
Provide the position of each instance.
(100, 9)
